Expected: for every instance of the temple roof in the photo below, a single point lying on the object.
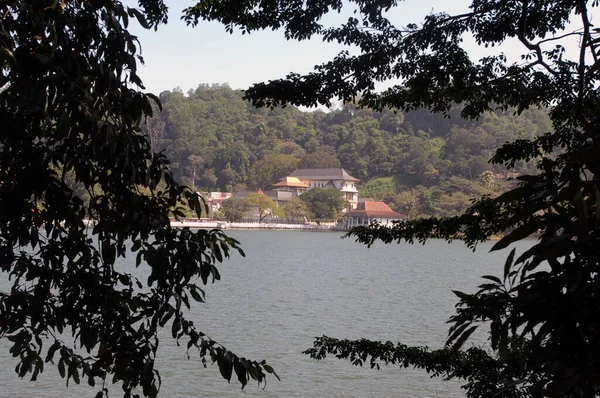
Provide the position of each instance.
(323, 174)
(291, 182)
(375, 210)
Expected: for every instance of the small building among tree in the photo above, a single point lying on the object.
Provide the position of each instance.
(331, 178)
(214, 200)
(368, 212)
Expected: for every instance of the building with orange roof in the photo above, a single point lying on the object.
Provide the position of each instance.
(330, 178)
(369, 212)
(291, 184)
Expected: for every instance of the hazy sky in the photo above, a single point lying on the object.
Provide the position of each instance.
(181, 56)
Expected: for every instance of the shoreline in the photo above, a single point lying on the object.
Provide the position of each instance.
(254, 226)
(247, 226)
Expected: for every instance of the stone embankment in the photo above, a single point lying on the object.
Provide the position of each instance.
(254, 225)
(191, 223)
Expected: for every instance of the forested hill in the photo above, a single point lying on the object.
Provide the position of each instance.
(217, 141)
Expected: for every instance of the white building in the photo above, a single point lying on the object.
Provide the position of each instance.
(368, 212)
(215, 200)
(330, 178)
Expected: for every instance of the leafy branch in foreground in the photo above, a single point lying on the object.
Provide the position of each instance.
(543, 314)
(70, 124)
(484, 375)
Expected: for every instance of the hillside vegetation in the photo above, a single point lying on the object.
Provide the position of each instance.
(422, 164)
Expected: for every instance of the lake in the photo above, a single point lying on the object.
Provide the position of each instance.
(293, 286)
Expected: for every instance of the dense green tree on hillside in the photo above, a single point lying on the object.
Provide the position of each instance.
(541, 319)
(196, 162)
(320, 159)
(448, 197)
(270, 169)
(367, 144)
(469, 150)
(155, 128)
(289, 148)
(233, 181)
(70, 111)
(406, 203)
(379, 188)
(414, 160)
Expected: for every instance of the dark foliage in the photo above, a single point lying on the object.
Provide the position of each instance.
(543, 313)
(70, 117)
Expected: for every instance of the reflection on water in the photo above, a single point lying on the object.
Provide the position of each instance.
(293, 286)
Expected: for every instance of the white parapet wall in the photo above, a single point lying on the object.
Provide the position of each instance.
(245, 225)
(255, 225)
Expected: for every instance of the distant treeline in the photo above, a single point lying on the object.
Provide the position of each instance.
(420, 163)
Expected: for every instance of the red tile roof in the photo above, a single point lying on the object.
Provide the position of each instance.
(375, 210)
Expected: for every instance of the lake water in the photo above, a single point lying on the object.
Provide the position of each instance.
(293, 286)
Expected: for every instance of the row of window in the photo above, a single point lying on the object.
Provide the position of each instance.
(319, 184)
(360, 221)
(367, 220)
